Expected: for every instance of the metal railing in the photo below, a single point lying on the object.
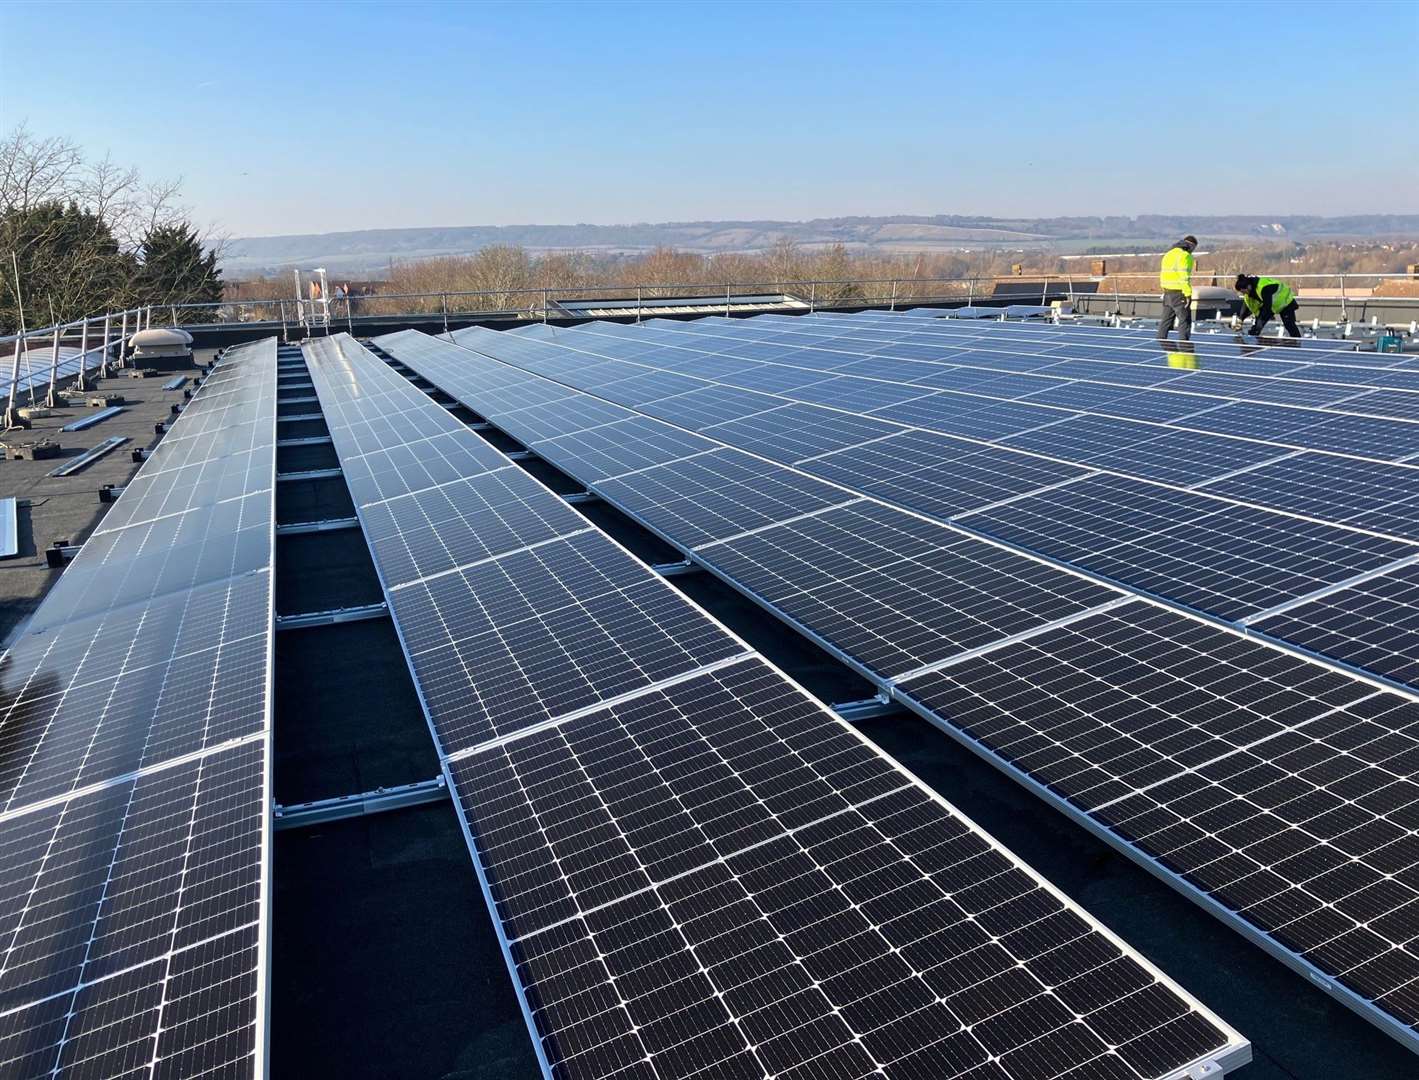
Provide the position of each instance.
(543, 302)
(109, 333)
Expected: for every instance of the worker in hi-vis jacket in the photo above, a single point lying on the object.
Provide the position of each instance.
(1175, 276)
(1265, 297)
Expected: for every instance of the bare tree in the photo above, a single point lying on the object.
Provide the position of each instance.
(81, 232)
(35, 170)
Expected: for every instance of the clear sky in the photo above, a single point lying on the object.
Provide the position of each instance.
(314, 117)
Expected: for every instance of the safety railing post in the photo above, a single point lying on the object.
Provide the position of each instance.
(52, 399)
(173, 308)
(443, 306)
(812, 298)
(726, 299)
(544, 305)
(84, 357)
(638, 303)
(281, 312)
(12, 402)
(1343, 314)
(107, 328)
(894, 295)
(123, 338)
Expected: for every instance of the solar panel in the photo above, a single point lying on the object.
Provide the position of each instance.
(134, 825)
(1127, 700)
(893, 591)
(793, 432)
(936, 474)
(1370, 623)
(696, 890)
(1288, 799)
(1363, 494)
(719, 494)
(1215, 556)
(715, 874)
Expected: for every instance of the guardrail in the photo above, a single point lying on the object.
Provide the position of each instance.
(542, 303)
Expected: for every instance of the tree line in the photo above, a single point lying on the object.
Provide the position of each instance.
(86, 236)
(511, 278)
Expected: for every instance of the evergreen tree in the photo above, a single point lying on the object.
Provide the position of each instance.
(67, 257)
(174, 269)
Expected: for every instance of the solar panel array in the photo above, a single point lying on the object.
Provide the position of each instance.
(695, 869)
(1192, 516)
(134, 766)
(1279, 790)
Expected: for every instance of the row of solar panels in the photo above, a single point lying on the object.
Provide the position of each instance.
(1243, 537)
(134, 765)
(1280, 789)
(36, 363)
(695, 869)
(1327, 374)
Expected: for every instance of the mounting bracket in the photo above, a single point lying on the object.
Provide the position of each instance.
(378, 801)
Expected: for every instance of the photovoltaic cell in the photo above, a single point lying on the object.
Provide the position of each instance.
(463, 521)
(896, 592)
(626, 445)
(720, 493)
(417, 466)
(793, 432)
(521, 638)
(152, 959)
(1365, 436)
(710, 405)
(972, 417)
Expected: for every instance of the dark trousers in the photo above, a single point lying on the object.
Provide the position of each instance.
(1288, 320)
(1176, 308)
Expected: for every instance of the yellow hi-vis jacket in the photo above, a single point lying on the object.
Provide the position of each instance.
(1280, 300)
(1176, 272)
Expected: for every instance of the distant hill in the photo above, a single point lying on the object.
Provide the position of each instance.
(368, 251)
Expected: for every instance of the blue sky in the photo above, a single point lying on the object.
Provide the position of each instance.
(317, 117)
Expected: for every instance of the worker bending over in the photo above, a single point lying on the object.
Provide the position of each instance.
(1175, 276)
(1265, 297)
